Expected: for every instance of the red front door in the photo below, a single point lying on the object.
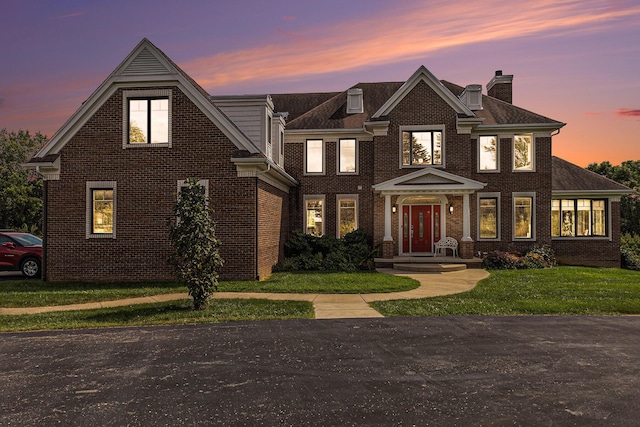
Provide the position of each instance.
(419, 227)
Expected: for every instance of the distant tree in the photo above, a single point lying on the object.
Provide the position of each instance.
(20, 189)
(627, 173)
(521, 152)
(197, 257)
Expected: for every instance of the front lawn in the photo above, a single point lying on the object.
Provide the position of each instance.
(169, 313)
(36, 293)
(561, 290)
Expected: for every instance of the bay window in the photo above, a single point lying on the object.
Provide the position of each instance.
(578, 218)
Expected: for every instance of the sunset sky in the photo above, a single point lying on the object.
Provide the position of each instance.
(573, 61)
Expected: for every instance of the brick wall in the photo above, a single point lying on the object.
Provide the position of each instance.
(331, 185)
(146, 192)
(273, 227)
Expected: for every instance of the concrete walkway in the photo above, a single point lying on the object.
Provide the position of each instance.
(326, 306)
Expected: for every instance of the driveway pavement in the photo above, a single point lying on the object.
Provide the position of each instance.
(440, 371)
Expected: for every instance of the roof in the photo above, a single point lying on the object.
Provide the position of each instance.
(568, 177)
(328, 110)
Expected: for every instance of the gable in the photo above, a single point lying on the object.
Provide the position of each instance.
(146, 67)
(429, 180)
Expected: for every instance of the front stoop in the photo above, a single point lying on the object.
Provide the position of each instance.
(427, 260)
(429, 268)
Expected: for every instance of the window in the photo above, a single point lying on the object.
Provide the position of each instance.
(101, 210)
(314, 159)
(488, 154)
(314, 215)
(578, 218)
(523, 153)
(347, 214)
(347, 156)
(269, 142)
(488, 220)
(523, 217)
(147, 118)
(281, 146)
(422, 148)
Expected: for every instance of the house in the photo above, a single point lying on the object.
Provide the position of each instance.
(408, 162)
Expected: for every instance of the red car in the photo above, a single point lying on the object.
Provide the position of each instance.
(20, 252)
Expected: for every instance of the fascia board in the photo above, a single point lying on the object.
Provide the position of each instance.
(423, 74)
(257, 166)
(590, 193)
(297, 135)
(518, 127)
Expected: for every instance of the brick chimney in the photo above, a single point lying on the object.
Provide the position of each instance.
(501, 87)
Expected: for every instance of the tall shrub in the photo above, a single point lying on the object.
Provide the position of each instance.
(196, 256)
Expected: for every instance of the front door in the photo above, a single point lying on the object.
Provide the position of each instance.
(420, 228)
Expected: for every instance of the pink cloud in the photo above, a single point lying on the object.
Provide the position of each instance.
(625, 112)
(288, 18)
(405, 34)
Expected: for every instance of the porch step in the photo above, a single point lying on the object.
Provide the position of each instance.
(429, 267)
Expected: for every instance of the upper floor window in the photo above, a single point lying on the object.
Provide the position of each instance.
(347, 156)
(488, 154)
(578, 217)
(314, 156)
(422, 148)
(147, 117)
(523, 159)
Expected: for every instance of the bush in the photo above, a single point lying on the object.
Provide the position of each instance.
(306, 252)
(536, 257)
(630, 251)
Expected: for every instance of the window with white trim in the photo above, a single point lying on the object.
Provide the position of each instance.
(523, 153)
(488, 158)
(314, 156)
(422, 147)
(147, 118)
(314, 215)
(347, 156)
(489, 216)
(523, 216)
(347, 214)
(579, 218)
(101, 209)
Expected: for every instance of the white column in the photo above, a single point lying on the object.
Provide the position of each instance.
(387, 218)
(466, 219)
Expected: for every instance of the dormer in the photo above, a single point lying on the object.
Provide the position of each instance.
(277, 138)
(355, 103)
(253, 115)
(472, 97)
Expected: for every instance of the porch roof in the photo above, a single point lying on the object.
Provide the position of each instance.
(429, 180)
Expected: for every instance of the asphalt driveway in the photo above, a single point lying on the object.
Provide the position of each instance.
(526, 370)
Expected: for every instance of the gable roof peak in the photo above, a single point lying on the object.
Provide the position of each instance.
(422, 74)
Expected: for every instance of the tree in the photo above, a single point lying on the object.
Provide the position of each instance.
(197, 257)
(20, 189)
(627, 173)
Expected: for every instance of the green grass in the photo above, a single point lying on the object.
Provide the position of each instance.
(562, 290)
(36, 293)
(169, 313)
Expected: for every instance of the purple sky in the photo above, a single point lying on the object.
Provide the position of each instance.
(574, 61)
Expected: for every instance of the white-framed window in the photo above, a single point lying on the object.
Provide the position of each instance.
(314, 215)
(347, 213)
(488, 216)
(524, 216)
(523, 153)
(421, 146)
(314, 157)
(488, 153)
(579, 218)
(146, 118)
(347, 156)
(101, 209)
(269, 137)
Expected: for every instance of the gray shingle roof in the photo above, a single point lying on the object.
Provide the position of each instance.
(569, 177)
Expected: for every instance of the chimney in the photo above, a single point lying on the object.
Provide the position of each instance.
(472, 97)
(501, 87)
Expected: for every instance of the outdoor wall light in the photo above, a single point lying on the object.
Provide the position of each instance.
(393, 209)
(451, 208)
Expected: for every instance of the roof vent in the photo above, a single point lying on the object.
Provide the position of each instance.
(472, 97)
(354, 101)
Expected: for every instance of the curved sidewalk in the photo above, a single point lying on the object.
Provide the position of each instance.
(326, 306)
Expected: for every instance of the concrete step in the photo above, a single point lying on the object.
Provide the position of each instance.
(429, 267)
